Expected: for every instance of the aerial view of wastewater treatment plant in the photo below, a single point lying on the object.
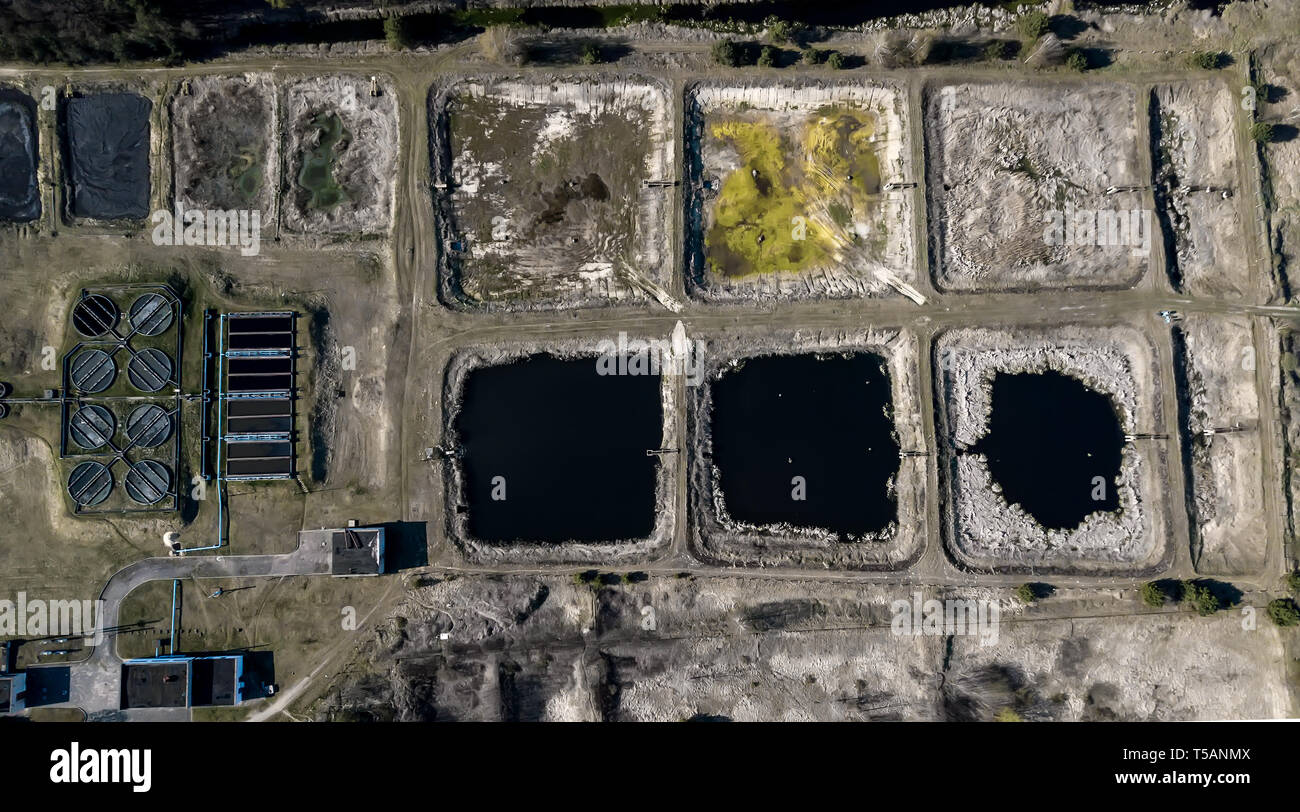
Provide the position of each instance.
(729, 361)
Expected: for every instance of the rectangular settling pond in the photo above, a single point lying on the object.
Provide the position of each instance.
(553, 451)
(19, 199)
(107, 138)
(807, 440)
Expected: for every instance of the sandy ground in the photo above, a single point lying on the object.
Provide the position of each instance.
(1197, 148)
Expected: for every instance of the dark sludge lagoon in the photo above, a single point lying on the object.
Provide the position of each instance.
(1050, 436)
(807, 440)
(566, 448)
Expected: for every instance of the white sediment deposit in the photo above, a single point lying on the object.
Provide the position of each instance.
(1197, 184)
(1229, 533)
(1005, 158)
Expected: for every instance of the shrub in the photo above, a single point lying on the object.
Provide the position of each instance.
(1033, 24)
(590, 54)
(1076, 61)
(1261, 131)
(813, 56)
(728, 52)
(1201, 598)
(835, 60)
(1026, 593)
(995, 51)
(1284, 612)
(1153, 595)
(1207, 60)
(767, 57)
(397, 33)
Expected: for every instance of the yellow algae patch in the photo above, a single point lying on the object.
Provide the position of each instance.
(795, 207)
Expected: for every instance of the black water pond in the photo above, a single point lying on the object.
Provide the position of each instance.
(19, 198)
(553, 451)
(1054, 446)
(807, 440)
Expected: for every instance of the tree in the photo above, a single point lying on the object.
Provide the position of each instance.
(397, 32)
(1293, 580)
(767, 57)
(995, 51)
(728, 52)
(1026, 593)
(835, 60)
(1262, 131)
(1284, 612)
(590, 53)
(1033, 24)
(1153, 595)
(1201, 598)
(779, 30)
(1076, 61)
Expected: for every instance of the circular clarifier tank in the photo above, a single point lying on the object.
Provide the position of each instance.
(91, 427)
(90, 483)
(151, 314)
(148, 426)
(95, 315)
(148, 481)
(149, 370)
(92, 370)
